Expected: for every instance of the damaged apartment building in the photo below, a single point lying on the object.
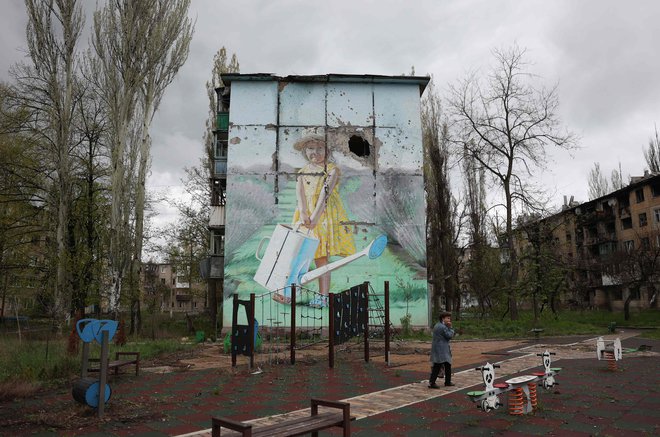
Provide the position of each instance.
(610, 246)
(353, 141)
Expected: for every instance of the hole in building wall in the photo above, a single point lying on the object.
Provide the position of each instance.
(359, 146)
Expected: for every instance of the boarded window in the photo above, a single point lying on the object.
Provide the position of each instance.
(626, 223)
(642, 220)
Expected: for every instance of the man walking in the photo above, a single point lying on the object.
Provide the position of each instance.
(440, 350)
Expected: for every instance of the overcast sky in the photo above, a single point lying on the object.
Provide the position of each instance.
(603, 54)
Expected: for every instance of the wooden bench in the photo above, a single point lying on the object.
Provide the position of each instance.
(119, 362)
(295, 426)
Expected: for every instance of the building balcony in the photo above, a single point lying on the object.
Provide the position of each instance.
(220, 167)
(222, 121)
(601, 238)
(213, 267)
(595, 282)
(217, 218)
(610, 280)
(596, 216)
(181, 284)
(217, 267)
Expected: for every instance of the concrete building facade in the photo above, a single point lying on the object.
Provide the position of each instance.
(611, 246)
(352, 141)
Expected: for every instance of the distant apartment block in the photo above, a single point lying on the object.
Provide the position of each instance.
(169, 291)
(612, 245)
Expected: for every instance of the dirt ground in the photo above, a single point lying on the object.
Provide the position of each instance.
(408, 355)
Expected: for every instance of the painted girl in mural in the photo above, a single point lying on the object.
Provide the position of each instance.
(320, 209)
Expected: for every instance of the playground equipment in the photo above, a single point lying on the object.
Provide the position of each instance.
(349, 317)
(610, 351)
(91, 391)
(243, 337)
(288, 328)
(289, 254)
(549, 372)
(488, 399)
(522, 394)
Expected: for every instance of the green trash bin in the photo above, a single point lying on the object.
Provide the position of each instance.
(200, 336)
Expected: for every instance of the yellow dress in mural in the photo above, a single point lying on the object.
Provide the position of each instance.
(335, 238)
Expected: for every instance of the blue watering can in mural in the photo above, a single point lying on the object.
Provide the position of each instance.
(290, 252)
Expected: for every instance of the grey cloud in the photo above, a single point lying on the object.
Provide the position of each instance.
(603, 53)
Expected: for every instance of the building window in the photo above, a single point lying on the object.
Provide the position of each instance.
(656, 215)
(195, 304)
(173, 281)
(646, 243)
(626, 223)
(568, 237)
(629, 246)
(218, 196)
(162, 280)
(223, 99)
(162, 269)
(221, 145)
(642, 220)
(640, 195)
(217, 243)
(655, 189)
(606, 248)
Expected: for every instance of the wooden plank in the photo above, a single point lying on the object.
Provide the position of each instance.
(300, 426)
(297, 426)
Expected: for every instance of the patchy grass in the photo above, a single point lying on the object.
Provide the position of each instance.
(17, 389)
(39, 361)
(651, 334)
(564, 323)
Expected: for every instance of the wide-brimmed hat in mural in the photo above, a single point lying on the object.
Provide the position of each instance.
(307, 139)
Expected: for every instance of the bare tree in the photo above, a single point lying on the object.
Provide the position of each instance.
(636, 265)
(598, 185)
(90, 204)
(652, 154)
(506, 124)
(21, 206)
(47, 87)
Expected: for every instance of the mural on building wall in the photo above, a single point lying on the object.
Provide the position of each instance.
(325, 189)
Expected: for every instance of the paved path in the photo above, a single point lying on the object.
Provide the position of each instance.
(379, 402)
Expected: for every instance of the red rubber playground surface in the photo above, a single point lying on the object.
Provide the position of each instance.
(589, 400)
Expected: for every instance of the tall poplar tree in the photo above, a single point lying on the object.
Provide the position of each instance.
(47, 87)
(138, 48)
